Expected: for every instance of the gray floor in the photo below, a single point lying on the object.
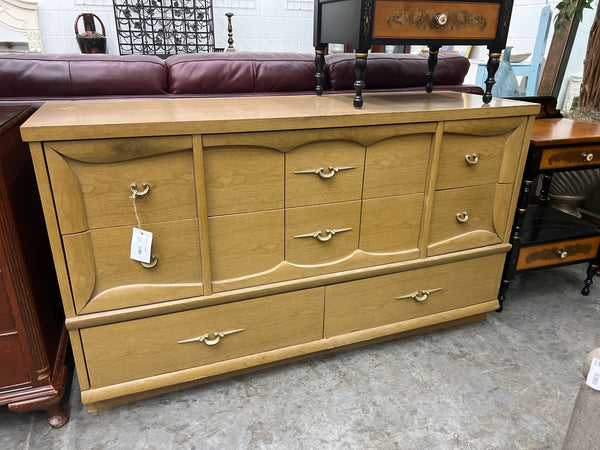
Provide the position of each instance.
(507, 383)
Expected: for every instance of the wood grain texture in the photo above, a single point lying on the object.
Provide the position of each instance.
(150, 346)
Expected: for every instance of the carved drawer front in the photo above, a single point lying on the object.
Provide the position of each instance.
(163, 344)
(243, 179)
(321, 234)
(562, 158)
(324, 172)
(558, 253)
(392, 225)
(397, 165)
(363, 304)
(92, 181)
(468, 218)
(480, 152)
(438, 20)
(103, 277)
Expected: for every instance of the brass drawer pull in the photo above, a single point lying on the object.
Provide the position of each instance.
(472, 159)
(204, 338)
(462, 217)
(439, 20)
(588, 157)
(419, 296)
(319, 234)
(137, 193)
(153, 262)
(561, 253)
(321, 171)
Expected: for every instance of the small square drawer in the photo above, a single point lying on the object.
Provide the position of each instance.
(363, 304)
(324, 172)
(435, 19)
(103, 277)
(469, 217)
(93, 181)
(168, 343)
(558, 253)
(563, 158)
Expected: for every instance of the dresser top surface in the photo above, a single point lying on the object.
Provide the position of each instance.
(160, 117)
(548, 132)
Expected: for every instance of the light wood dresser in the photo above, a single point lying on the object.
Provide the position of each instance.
(282, 227)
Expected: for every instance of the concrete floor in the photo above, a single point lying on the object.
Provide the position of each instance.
(507, 383)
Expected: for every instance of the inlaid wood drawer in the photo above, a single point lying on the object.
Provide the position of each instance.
(468, 218)
(153, 345)
(563, 158)
(93, 190)
(103, 276)
(558, 253)
(480, 152)
(435, 19)
(387, 299)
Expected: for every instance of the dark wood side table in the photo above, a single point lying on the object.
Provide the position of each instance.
(543, 236)
(362, 23)
(33, 339)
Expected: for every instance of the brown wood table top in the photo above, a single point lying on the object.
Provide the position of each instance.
(564, 131)
(8, 112)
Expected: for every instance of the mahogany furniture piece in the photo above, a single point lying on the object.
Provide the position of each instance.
(363, 23)
(33, 339)
(283, 227)
(543, 236)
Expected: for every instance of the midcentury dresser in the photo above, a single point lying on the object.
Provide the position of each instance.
(282, 227)
(33, 339)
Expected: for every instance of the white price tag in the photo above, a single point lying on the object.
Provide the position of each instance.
(141, 245)
(593, 378)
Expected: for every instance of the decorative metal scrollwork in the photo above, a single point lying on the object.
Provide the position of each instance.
(205, 337)
(420, 296)
(319, 234)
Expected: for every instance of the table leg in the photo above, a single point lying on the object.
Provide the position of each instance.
(434, 50)
(591, 271)
(320, 64)
(492, 67)
(360, 67)
(545, 189)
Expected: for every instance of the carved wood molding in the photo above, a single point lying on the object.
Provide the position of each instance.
(21, 16)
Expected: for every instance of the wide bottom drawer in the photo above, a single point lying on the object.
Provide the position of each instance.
(142, 348)
(363, 304)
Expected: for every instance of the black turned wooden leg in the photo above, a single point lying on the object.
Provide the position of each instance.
(591, 271)
(545, 189)
(502, 294)
(432, 62)
(492, 67)
(320, 64)
(360, 67)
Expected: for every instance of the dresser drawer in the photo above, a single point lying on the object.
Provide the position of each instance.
(324, 172)
(93, 190)
(152, 346)
(562, 158)
(468, 218)
(416, 19)
(321, 234)
(363, 304)
(558, 253)
(480, 152)
(103, 277)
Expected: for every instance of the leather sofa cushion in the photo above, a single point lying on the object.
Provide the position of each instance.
(48, 75)
(394, 70)
(240, 72)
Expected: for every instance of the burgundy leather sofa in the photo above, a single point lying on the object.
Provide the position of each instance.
(36, 78)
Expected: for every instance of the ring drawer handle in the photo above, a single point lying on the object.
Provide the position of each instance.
(319, 234)
(205, 337)
(472, 158)
(420, 296)
(561, 253)
(321, 171)
(137, 193)
(462, 217)
(439, 20)
(588, 157)
(153, 262)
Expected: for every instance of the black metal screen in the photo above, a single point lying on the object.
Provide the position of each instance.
(164, 27)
